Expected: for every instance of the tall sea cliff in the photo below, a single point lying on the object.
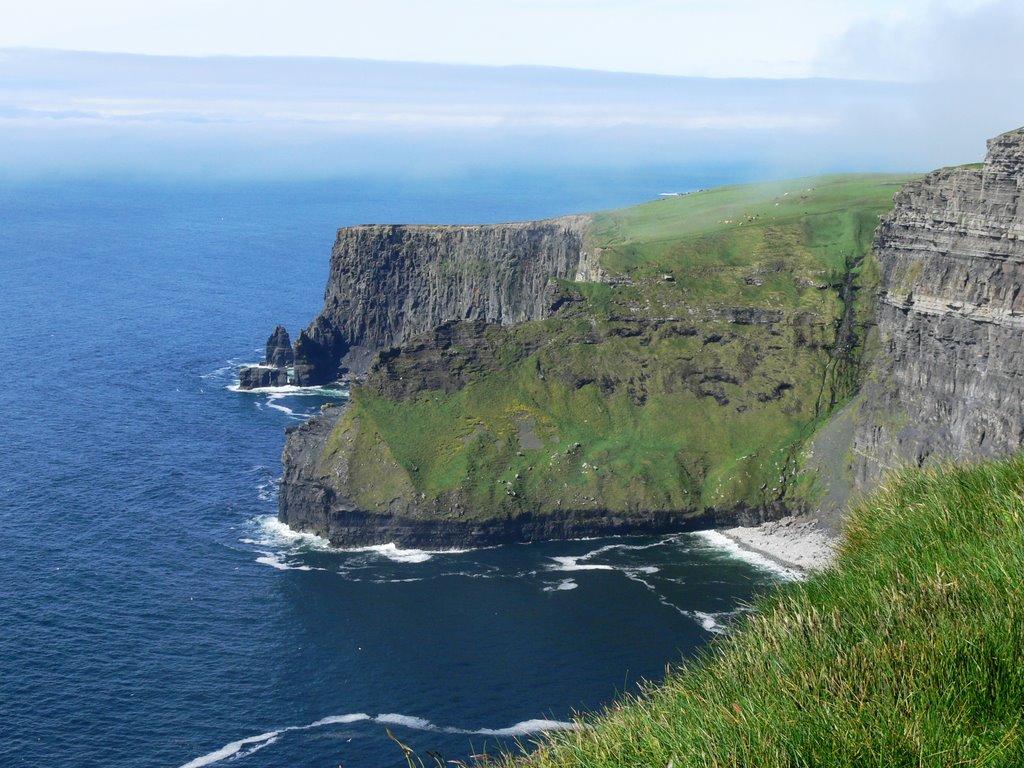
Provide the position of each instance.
(948, 378)
(388, 284)
(650, 369)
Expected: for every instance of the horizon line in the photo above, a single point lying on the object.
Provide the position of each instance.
(446, 65)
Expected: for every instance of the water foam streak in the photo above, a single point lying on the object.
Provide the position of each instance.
(234, 750)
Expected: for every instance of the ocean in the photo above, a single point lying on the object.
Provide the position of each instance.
(153, 611)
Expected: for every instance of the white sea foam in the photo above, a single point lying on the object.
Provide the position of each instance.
(570, 563)
(648, 569)
(723, 543)
(272, 403)
(290, 390)
(276, 543)
(407, 721)
(236, 750)
(233, 749)
(277, 561)
(267, 490)
(562, 586)
(528, 727)
(220, 372)
(578, 562)
(255, 748)
(277, 534)
(392, 552)
(708, 621)
(340, 720)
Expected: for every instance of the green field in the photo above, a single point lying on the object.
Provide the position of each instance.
(688, 383)
(908, 652)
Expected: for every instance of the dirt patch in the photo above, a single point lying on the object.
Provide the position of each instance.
(527, 427)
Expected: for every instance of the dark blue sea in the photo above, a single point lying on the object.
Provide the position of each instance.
(152, 611)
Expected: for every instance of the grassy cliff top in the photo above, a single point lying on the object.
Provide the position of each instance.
(732, 225)
(908, 652)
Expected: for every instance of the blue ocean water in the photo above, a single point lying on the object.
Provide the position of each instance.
(154, 614)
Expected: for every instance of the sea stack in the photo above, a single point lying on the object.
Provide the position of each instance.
(279, 349)
(272, 372)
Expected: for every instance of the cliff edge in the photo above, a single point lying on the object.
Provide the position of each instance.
(388, 283)
(948, 378)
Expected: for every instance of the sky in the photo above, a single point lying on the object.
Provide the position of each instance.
(713, 38)
(316, 87)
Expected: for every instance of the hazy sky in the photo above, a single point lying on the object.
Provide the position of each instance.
(888, 39)
(284, 87)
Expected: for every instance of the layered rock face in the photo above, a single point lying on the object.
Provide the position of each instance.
(388, 284)
(949, 378)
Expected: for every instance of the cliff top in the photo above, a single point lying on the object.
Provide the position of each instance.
(575, 222)
(665, 235)
(1005, 155)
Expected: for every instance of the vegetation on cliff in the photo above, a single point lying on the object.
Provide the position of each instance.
(730, 325)
(908, 652)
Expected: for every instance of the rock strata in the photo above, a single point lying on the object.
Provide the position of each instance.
(388, 284)
(948, 382)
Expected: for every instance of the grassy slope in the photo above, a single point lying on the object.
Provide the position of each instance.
(909, 652)
(673, 408)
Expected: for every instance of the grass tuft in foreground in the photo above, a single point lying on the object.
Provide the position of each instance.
(909, 652)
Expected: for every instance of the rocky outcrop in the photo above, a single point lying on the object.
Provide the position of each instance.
(444, 359)
(948, 381)
(388, 284)
(305, 503)
(259, 376)
(279, 349)
(273, 372)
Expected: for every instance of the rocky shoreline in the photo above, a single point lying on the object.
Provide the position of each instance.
(797, 543)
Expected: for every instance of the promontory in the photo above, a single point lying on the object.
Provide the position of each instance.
(725, 356)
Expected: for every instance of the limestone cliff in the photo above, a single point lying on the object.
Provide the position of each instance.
(389, 283)
(948, 381)
(650, 369)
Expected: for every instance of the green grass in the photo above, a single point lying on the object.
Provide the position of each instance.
(641, 434)
(824, 218)
(645, 397)
(908, 652)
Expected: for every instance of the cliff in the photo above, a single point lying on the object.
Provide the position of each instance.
(517, 398)
(389, 283)
(948, 379)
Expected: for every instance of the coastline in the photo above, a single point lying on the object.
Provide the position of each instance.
(796, 543)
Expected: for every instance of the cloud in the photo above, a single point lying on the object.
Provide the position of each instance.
(293, 117)
(942, 43)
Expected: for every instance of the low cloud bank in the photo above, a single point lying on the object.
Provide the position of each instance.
(86, 114)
